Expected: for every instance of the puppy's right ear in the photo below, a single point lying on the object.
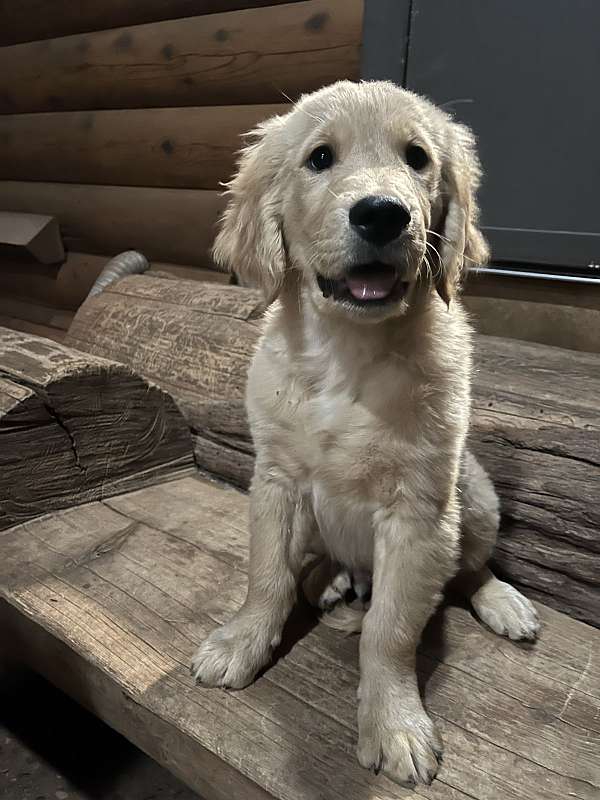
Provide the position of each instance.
(250, 241)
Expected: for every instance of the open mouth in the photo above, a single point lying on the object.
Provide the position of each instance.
(365, 285)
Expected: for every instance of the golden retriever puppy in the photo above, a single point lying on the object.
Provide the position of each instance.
(355, 212)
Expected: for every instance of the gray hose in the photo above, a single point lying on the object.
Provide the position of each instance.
(128, 263)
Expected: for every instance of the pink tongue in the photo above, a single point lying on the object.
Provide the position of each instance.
(371, 284)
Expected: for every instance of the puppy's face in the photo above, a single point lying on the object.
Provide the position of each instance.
(366, 190)
(363, 189)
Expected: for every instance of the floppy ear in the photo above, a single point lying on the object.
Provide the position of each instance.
(250, 240)
(463, 241)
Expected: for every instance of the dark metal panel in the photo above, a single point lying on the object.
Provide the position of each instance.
(524, 76)
(564, 248)
(386, 27)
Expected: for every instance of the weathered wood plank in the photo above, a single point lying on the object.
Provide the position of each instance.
(83, 428)
(173, 225)
(67, 286)
(188, 273)
(203, 359)
(191, 148)
(247, 56)
(125, 589)
(201, 337)
(535, 421)
(30, 20)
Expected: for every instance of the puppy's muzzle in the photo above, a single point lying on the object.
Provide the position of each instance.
(379, 220)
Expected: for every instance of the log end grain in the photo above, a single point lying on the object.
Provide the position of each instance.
(76, 428)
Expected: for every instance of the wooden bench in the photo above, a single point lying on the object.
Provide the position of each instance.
(109, 598)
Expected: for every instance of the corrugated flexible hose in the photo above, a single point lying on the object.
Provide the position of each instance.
(130, 262)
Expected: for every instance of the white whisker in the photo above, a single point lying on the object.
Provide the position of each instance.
(449, 243)
(439, 235)
(435, 250)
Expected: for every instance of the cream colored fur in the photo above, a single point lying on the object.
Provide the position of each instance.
(360, 415)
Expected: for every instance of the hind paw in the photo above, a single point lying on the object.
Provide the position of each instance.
(506, 611)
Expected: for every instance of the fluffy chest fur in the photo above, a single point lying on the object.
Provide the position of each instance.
(361, 419)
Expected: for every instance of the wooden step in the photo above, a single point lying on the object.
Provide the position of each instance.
(110, 599)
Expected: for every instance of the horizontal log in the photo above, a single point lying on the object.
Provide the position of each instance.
(173, 225)
(33, 312)
(75, 428)
(207, 325)
(63, 287)
(188, 273)
(556, 324)
(30, 20)
(175, 147)
(249, 56)
(45, 331)
(535, 420)
(67, 286)
(183, 324)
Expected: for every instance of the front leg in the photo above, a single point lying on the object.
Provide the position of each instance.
(280, 525)
(414, 556)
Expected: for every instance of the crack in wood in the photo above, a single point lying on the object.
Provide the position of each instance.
(557, 452)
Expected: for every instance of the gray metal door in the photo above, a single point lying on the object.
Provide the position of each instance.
(524, 75)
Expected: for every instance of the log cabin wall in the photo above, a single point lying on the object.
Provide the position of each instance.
(121, 119)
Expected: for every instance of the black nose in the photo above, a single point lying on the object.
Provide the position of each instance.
(379, 220)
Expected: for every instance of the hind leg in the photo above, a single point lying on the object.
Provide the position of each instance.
(500, 606)
(328, 584)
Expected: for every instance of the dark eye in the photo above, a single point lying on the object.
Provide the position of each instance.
(416, 157)
(321, 158)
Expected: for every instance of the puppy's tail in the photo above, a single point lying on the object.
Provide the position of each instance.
(344, 618)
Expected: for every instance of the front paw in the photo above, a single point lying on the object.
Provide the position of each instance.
(396, 736)
(232, 655)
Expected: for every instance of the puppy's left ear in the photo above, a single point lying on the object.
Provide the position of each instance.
(250, 241)
(463, 241)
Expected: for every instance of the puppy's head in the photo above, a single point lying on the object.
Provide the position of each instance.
(365, 190)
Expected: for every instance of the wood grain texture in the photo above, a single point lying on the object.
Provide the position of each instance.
(190, 148)
(536, 429)
(172, 225)
(245, 57)
(66, 287)
(75, 428)
(110, 600)
(30, 20)
(196, 340)
(535, 421)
